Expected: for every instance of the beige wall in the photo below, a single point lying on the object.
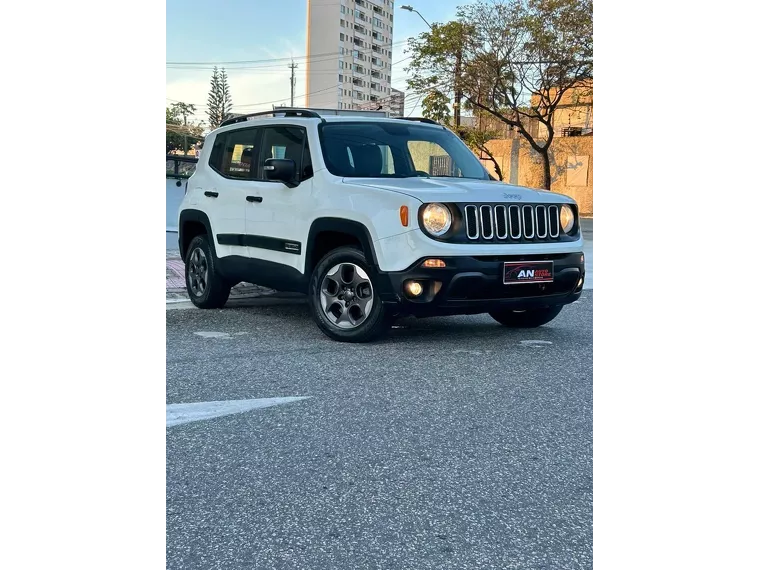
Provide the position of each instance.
(575, 109)
(571, 167)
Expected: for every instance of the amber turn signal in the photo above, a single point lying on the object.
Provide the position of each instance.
(433, 263)
(404, 216)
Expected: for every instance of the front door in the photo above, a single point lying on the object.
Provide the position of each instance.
(273, 210)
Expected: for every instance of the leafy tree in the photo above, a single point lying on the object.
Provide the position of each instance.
(518, 59)
(180, 133)
(435, 107)
(436, 62)
(219, 99)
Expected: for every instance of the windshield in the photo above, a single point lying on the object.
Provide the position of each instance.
(396, 150)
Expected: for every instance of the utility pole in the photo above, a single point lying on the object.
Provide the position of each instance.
(184, 115)
(292, 67)
(457, 90)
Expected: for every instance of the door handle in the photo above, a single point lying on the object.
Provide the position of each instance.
(211, 194)
(254, 199)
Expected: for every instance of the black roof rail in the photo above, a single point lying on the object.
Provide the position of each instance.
(420, 119)
(287, 111)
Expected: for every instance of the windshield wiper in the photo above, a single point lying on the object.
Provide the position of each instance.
(452, 176)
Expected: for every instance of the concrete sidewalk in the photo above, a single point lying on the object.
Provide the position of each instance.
(176, 293)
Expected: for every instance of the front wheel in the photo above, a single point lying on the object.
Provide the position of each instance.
(526, 319)
(343, 300)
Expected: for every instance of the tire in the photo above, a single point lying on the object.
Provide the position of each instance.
(205, 287)
(526, 319)
(342, 310)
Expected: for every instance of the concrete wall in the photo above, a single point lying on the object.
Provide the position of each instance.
(571, 167)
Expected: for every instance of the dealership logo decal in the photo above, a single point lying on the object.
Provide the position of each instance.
(529, 273)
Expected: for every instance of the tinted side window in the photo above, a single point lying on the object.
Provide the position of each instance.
(285, 142)
(234, 154)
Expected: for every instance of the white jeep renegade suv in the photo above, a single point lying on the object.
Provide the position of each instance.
(373, 218)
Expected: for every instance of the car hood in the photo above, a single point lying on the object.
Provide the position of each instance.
(461, 190)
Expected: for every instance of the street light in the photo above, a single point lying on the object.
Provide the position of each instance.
(411, 9)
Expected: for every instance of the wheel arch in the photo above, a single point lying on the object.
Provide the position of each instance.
(350, 228)
(189, 223)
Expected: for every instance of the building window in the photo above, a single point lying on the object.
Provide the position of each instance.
(342, 37)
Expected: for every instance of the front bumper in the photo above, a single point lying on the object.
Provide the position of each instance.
(474, 284)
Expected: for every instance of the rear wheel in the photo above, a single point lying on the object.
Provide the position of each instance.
(343, 301)
(530, 318)
(205, 287)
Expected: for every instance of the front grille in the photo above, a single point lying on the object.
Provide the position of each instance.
(523, 222)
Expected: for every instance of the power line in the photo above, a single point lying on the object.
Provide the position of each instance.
(272, 60)
(200, 105)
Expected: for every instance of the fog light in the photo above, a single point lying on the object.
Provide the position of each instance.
(582, 258)
(579, 284)
(433, 263)
(413, 288)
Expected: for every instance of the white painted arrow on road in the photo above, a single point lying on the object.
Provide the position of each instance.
(177, 414)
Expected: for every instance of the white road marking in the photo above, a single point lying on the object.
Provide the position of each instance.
(535, 343)
(212, 334)
(177, 414)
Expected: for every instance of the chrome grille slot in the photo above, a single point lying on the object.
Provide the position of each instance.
(515, 227)
(528, 222)
(553, 221)
(486, 221)
(503, 223)
(541, 221)
(501, 228)
(472, 222)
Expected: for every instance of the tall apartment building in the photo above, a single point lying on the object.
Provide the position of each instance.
(396, 102)
(349, 49)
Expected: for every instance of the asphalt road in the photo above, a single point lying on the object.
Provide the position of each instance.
(454, 443)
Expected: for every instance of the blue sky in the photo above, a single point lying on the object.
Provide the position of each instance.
(234, 30)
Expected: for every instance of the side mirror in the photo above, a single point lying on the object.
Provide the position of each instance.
(281, 170)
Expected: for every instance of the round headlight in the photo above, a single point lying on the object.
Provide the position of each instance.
(436, 219)
(567, 219)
